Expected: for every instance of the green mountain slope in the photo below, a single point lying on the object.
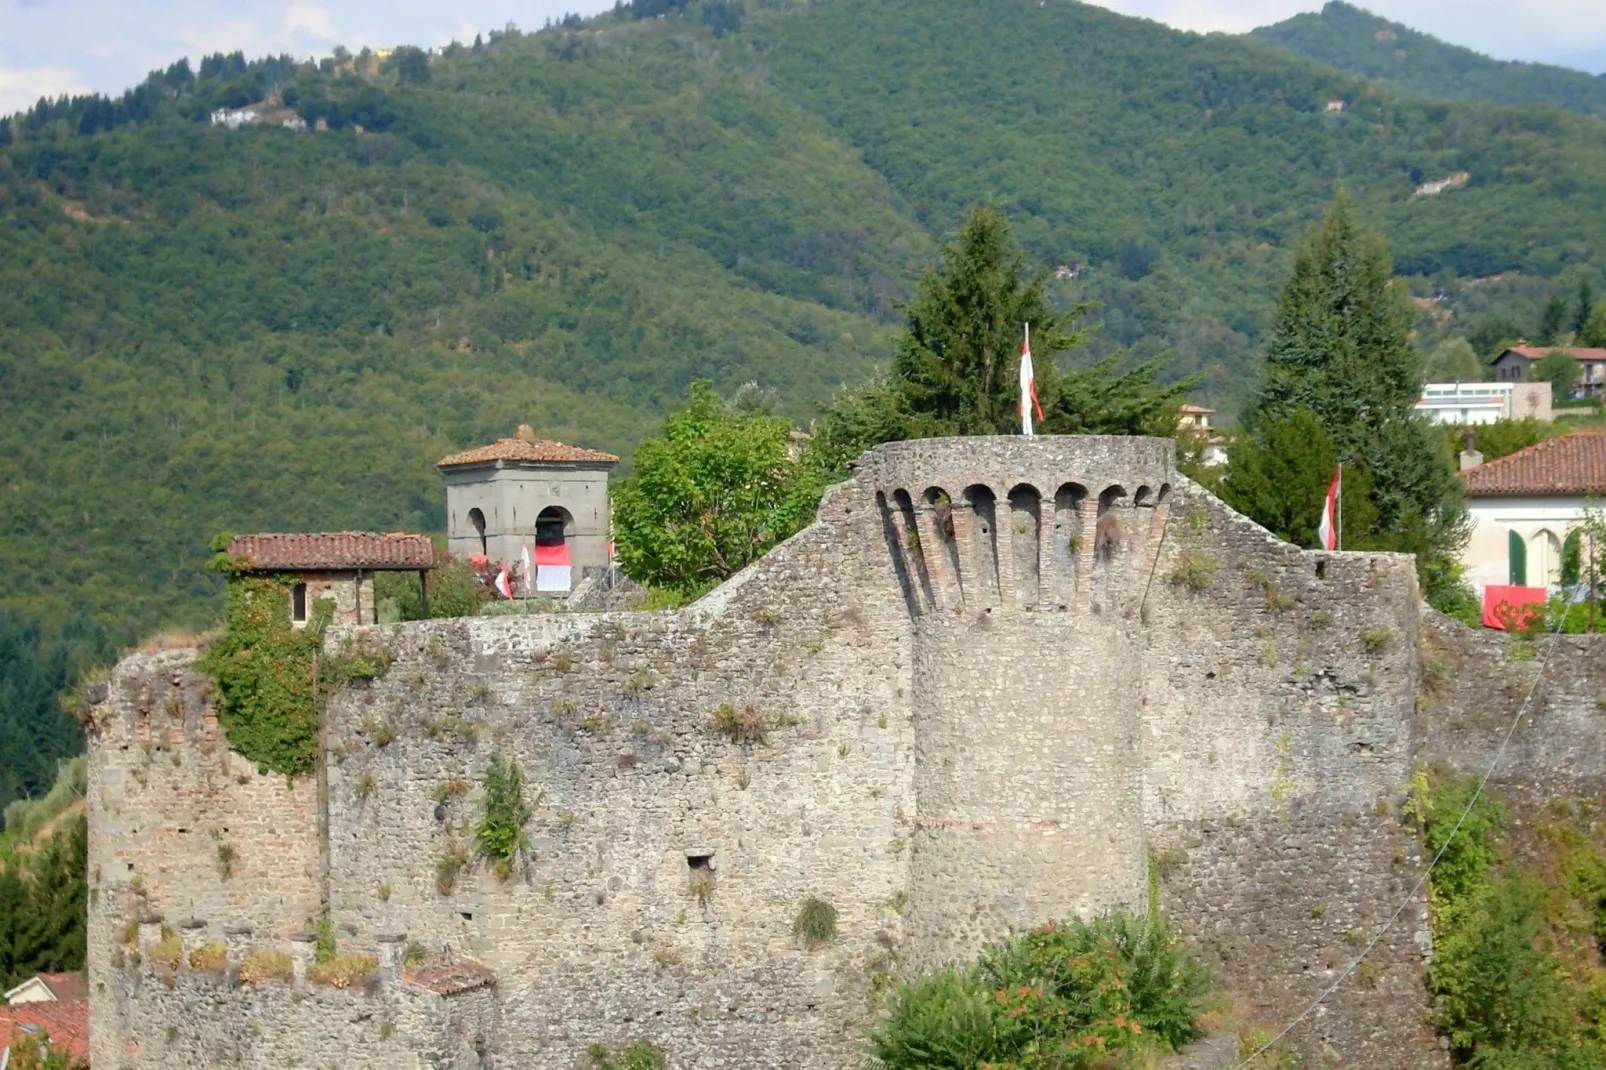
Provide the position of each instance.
(205, 329)
(1351, 39)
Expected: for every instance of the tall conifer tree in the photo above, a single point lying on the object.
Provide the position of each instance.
(1341, 347)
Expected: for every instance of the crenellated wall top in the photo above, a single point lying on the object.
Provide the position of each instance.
(1004, 462)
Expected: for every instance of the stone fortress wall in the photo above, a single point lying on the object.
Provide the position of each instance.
(998, 681)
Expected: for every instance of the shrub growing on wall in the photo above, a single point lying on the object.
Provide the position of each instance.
(500, 832)
(1065, 995)
(265, 672)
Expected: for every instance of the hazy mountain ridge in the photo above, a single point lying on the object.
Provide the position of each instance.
(1354, 40)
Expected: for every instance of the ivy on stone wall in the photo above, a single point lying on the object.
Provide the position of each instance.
(266, 675)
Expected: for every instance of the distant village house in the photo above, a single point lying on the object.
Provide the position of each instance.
(1527, 510)
(1484, 403)
(1514, 363)
(49, 1011)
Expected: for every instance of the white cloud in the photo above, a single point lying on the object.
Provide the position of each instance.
(225, 36)
(21, 87)
(309, 21)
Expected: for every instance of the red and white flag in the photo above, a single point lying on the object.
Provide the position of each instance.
(1327, 531)
(553, 574)
(1028, 385)
(504, 583)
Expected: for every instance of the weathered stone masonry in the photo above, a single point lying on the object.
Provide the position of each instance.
(1000, 681)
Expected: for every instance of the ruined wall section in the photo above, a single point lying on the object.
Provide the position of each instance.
(183, 831)
(1278, 746)
(668, 860)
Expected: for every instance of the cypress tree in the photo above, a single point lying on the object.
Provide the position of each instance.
(1341, 347)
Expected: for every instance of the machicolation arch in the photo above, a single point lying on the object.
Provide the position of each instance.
(1022, 548)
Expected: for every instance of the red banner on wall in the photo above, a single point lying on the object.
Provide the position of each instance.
(1509, 608)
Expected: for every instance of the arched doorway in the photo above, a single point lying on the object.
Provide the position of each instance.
(1544, 559)
(553, 572)
(477, 518)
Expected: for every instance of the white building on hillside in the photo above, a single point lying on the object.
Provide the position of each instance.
(1484, 403)
(1527, 506)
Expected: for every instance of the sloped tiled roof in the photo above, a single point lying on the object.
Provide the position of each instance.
(461, 976)
(333, 550)
(1571, 464)
(1583, 354)
(518, 449)
(65, 1021)
(67, 986)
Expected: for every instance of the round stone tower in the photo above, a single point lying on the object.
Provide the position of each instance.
(1025, 562)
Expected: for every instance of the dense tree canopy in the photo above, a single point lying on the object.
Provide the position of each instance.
(710, 495)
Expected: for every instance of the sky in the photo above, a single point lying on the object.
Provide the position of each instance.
(48, 47)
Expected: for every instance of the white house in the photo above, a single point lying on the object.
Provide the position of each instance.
(1526, 506)
(1484, 403)
(1195, 420)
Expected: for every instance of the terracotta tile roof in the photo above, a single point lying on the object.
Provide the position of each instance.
(1193, 410)
(519, 449)
(67, 986)
(65, 1021)
(1571, 464)
(462, 976)
(334, 550)
(1582, 354)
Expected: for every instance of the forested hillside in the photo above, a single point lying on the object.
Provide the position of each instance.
(205, 329)
(1357, 41)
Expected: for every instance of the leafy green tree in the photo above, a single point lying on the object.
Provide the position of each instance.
(411, 65)
(1503, 437)
(1455, 361)
(1557, 368)
(714, 492)
(1553, 320)
(1341, 348)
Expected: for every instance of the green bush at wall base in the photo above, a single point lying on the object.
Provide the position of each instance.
(1065, 995)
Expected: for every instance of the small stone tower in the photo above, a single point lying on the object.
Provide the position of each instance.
(526, 493)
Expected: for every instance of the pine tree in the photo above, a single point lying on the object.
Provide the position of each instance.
(1552, 320)
(956, 369)
(1585, 305)
(1341, 347)
(1279, 476)
(14, 907)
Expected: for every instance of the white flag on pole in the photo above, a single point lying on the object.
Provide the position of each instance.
(1028, 385)
(1327, 530)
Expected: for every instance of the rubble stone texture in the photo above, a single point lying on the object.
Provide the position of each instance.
(998, 681)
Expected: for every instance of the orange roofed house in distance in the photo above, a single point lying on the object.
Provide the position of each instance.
(1527, 506)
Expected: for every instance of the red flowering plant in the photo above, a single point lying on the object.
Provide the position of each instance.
(1064, 996)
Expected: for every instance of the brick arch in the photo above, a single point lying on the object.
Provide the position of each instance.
(1143, 497)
